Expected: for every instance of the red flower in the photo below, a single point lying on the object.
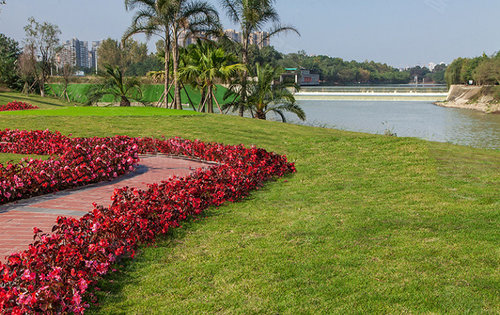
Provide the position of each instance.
(16, 106)
(80, 251)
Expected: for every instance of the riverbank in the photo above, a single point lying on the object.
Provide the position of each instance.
(366, 219)
(480, 98)
(487, 108)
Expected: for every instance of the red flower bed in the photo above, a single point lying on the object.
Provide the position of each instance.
(74, 162)
(16, 106)
(56, 272)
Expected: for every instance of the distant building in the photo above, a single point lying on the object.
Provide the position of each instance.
(77, 53)
(80, 50)
(301, 77)
(260, 39)
(93, 54)
(233, 35)
(66, 56)
(186, 39)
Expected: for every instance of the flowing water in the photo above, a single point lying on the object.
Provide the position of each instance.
(406, 119)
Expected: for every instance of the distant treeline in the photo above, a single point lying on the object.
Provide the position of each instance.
(483, 70)
(333, 71)
(336, 71)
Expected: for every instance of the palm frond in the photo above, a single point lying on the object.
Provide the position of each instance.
(231, 7)
(289, 107)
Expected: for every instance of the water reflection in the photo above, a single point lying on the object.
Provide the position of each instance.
(407, 119)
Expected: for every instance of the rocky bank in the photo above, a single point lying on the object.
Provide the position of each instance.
(481, 98)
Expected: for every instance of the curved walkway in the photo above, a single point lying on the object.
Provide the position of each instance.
(18, 219)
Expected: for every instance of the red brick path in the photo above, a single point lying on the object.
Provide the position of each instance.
(17, 220)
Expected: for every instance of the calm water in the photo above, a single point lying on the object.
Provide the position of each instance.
(407, 119)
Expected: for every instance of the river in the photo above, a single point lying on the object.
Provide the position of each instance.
(406, 119)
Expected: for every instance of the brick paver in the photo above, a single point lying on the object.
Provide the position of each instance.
(17, 220)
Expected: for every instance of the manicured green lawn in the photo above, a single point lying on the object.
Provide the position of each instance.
(368, 224)
(15, 158)
(42, 102)
(80, 111)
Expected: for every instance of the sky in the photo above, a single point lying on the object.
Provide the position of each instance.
(397, 32)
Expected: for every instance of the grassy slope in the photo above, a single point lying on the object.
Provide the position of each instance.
(102, 111)
(368, 224)
(43, 103)
(15, 158)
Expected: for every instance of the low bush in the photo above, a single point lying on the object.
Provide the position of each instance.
(56, 272)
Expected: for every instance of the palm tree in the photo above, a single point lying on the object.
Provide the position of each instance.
(265, 95)
(115, 84)
(252, 15)
(204, 66)
(171, 20)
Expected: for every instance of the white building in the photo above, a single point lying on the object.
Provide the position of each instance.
(260, 39)
(77, 53)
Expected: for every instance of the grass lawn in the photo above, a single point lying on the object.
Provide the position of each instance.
(80, 111)
(369, 223)
(15, 158)
(42, 102)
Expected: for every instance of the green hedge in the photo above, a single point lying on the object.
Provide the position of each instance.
(151, 93)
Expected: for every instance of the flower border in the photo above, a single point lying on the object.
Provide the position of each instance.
(58, 269)
(15, 105)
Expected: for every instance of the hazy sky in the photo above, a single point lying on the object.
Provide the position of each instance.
(397, 32)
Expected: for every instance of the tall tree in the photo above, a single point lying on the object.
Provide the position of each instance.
(469, 66)
(9, 52)
(452, 74)
(66, 69)
(488, 72)
(252, 16)
(121, 54)
(26, 68)
(266, 94)
(206, 65)
(43, 38)
(171, 20)
(109, 53)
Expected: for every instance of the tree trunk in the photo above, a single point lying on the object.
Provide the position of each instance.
(210, 100)
(42, 86)
(177, 86)
(65, 92)
(124, 102)
(244, 76)
(217, 102)
(25, 88)
(167, 68)
(202, 101)
(189, 98)
(260, 114)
